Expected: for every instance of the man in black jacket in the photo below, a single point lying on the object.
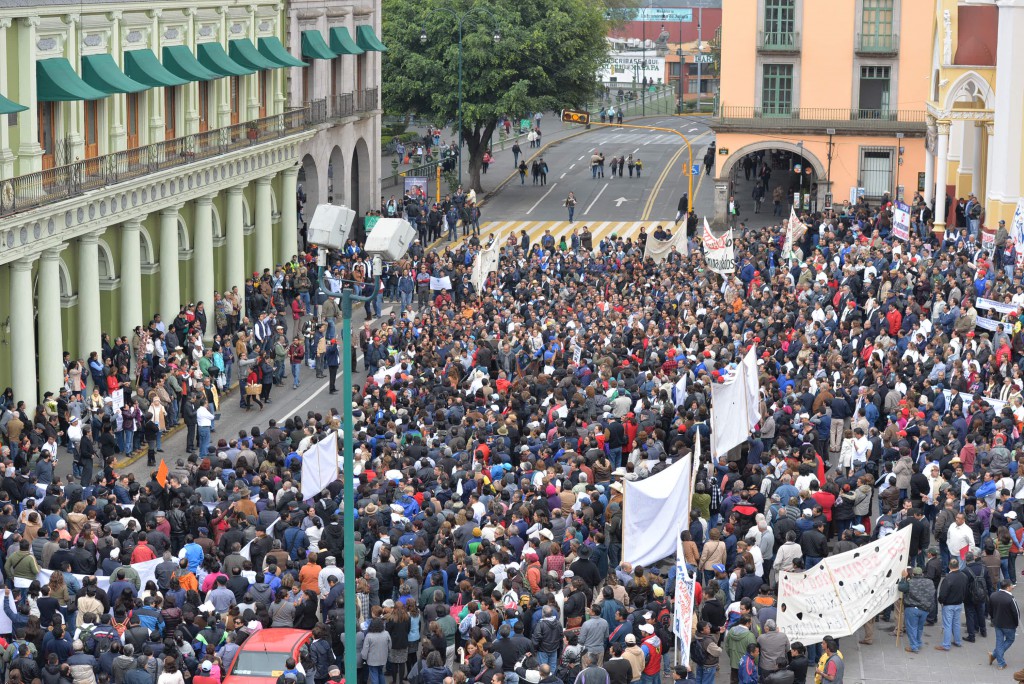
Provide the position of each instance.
(976, 610)
(1005, 614)
(952, 594)
(814, 544)
(188, 414)
(85, 453)
(547, 637)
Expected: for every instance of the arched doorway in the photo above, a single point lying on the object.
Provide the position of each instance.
(336, 177)
(359, 199)
(309, 182)
(788, 170)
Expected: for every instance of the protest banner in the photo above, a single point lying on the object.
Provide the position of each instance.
(685, 592)
(1017, 231)
(901, 221)
(444, 283)
(659, 250)
(661, 502)
(486, 260)
(718, 252)
(319, 466)
(968, 399)
(993, 305)
(986, 323)
(840, 594)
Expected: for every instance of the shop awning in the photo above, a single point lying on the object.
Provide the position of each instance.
(342, 43)
(180, 61)
(367, 39)
(272, 49)
(314, 47)
(57, 81)
(243, 52)
(102, 73)
(142, 66)
(10, 106)
(213, 57)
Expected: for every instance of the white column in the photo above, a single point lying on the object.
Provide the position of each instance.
(990, 166)
(6, 155)
(288, 238)
(74, 112)
(202, 257)
(264, 224)
(156, 95)
(90, 328)
(30, 154)
(23, 332)
(116, 109)
(1004, 184)
(236, 245)
(977, 172)
(170, 292)
(942, 164)
(131, 276)
(51, 361)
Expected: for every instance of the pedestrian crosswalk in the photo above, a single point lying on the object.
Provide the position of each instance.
(536, 229)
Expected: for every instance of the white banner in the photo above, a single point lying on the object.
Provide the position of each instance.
(840, 594)
(728, 401)
(146, 570)
(968, 399)
(444, 283)
(718, 253)
(117, 399)
(1017, 231)
(684, 600)
(382, 374)
(679, 392)
(753, 388)
(992, 324)
(486, 260)
(901, 221)
(993, 305)
(659, 250)
(660, 502)
(246, 549)
(319, 466)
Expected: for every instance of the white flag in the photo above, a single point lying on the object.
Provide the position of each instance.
(486, 260)
(319, 466)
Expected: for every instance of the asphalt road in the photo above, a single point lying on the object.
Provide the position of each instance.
(653, 196)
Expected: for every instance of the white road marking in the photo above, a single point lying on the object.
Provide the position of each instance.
(587, 210)
(636, 150)
(562, 176)
(693, 130)
(542, 198)
(572, 166)
(648, 142)
(581, 158)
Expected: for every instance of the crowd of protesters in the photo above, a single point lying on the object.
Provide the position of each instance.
(491, 450)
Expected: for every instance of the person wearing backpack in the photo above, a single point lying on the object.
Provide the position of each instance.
(976, 603)
(704, 652)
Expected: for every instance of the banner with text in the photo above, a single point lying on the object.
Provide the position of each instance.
(1017, 231)
(993, 305)
(901, 221)
(718, 252)
(843, 592)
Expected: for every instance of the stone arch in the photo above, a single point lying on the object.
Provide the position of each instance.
(184, 243)
(218, 227)
(246, 214)
(335, 177)
(67, 290)
(970, 90)
(146, 250)
(309, 179)
(106, 259)
(726, 168)
(360, 191)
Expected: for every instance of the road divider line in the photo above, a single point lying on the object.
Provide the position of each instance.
(590, 206)
(542, 198)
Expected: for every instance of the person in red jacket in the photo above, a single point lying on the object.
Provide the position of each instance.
(895, 319)
(142, 552)
(651, 646)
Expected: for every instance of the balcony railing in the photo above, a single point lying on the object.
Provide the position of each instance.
(881, 120)
(72, 180)
(878, 44)
(778, 41)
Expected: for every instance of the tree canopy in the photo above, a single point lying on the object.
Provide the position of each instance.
(547, 59)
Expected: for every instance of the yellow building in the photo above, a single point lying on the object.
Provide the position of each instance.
(976, 107)
(830, 95)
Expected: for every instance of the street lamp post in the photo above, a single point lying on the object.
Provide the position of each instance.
(459, 18)
(700, 54)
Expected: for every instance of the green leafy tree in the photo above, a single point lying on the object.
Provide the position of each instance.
(547, 59)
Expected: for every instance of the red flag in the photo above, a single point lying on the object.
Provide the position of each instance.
(161, 473)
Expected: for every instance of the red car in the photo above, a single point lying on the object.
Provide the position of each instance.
(260, 659)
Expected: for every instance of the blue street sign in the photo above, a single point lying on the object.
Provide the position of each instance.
(668, 14)
(695, 171)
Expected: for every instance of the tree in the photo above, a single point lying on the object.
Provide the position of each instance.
(547, 59)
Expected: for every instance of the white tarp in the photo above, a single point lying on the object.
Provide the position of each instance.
(660, 502)
(728, 400)
(753, 388)
(319, 466)
(486, 260)
(840, 594)
(718, 252)
(660, 249)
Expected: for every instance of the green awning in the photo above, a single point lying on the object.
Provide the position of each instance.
(243, 52)
(142, 66)
(180, 61)
(368, 40)
(102, 73)
(272, 49)
(10, 106)
(57, 81)
(314, 47)
(213, 57)
(342, 43)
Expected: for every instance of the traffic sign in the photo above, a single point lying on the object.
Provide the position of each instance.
(695, 170)
(704, 58)
(575, 117)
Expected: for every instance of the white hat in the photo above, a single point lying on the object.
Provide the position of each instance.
(546, 533)
(1012, 515)
(647, 629)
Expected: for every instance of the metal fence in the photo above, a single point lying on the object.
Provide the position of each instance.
(72, 180)
(848, 119)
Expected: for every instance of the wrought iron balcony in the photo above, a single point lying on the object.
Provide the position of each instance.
(779, 42)
(783, 118)
(878, 44)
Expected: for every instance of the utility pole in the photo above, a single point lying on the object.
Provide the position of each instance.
(700, 17)
(828, 172)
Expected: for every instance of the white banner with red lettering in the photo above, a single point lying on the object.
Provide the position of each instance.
(839, 595)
